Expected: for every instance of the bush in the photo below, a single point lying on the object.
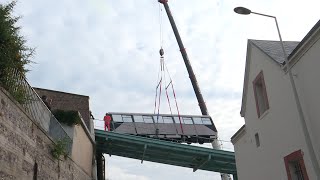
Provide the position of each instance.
(14, 54)
(67, 117)
(59, 149)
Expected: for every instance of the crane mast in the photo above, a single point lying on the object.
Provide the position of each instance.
(184, 54)
(202, 104)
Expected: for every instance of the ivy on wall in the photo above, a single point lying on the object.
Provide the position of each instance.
(69, 118)
(59, 149)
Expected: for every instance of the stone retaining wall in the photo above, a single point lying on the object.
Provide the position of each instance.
(25, 149)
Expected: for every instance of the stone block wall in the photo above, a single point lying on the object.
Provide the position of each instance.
(25, 148)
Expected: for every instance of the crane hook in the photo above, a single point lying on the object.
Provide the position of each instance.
(161, 52)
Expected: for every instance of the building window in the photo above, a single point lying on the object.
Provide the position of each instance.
(295, 167)
(260, 94)
(256, 136)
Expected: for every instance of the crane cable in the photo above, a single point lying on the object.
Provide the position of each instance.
(175, 98)
(160, 69)
(155, 101)
(159, 86)
(160, 26)
(161, 64)
(162, 72)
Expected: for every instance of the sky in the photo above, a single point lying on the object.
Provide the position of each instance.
(108, 50)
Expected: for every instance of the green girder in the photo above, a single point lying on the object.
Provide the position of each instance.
(166, 152)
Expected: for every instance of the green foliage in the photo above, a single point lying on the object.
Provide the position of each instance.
(17, 90)
(67, 117)
(59, 149)
(14, 54)
(20, 94)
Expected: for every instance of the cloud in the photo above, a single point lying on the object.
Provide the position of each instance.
(117, 173)
(155, 171)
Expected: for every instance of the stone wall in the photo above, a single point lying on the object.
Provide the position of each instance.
(25, 148)
(68, 101)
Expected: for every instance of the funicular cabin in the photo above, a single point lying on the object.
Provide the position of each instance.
(192, 129)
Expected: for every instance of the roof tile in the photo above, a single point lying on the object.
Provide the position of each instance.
(273, 48)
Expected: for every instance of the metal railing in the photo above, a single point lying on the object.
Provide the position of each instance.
(21, 90)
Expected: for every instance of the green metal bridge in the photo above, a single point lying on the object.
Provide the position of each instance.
(165, 152)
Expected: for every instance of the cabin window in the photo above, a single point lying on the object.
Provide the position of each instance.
(158, 119)
(206, 121)
(138, 119)
(197, 120)
(176, 120)
(187, 120)
(126, 118)
(117, 118)
(295, 166)
(147, 119)
(167, 120)
(260, 94)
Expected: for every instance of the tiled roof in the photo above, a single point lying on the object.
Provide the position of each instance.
(273, 48)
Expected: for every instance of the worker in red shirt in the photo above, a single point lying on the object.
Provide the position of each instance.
(107, 120)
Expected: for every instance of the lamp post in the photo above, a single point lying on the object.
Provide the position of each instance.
(313, 157)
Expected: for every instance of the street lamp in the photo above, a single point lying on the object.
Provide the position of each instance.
(314, 161)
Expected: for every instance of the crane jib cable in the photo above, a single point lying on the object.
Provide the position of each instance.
(162, 73)
(174, 94)
(175, 98)
(168, 101)
(161, 65)
(155, 101)
(168, 96)
(159, 102)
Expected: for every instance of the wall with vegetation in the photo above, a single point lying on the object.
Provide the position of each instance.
(25, 148)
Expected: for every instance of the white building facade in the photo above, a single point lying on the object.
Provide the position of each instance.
(271, 144)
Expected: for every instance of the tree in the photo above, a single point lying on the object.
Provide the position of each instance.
(14, 54)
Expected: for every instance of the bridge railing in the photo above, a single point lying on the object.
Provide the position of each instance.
(19, 87)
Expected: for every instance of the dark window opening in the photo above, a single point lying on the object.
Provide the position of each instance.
(260, 94)
(256, 136)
